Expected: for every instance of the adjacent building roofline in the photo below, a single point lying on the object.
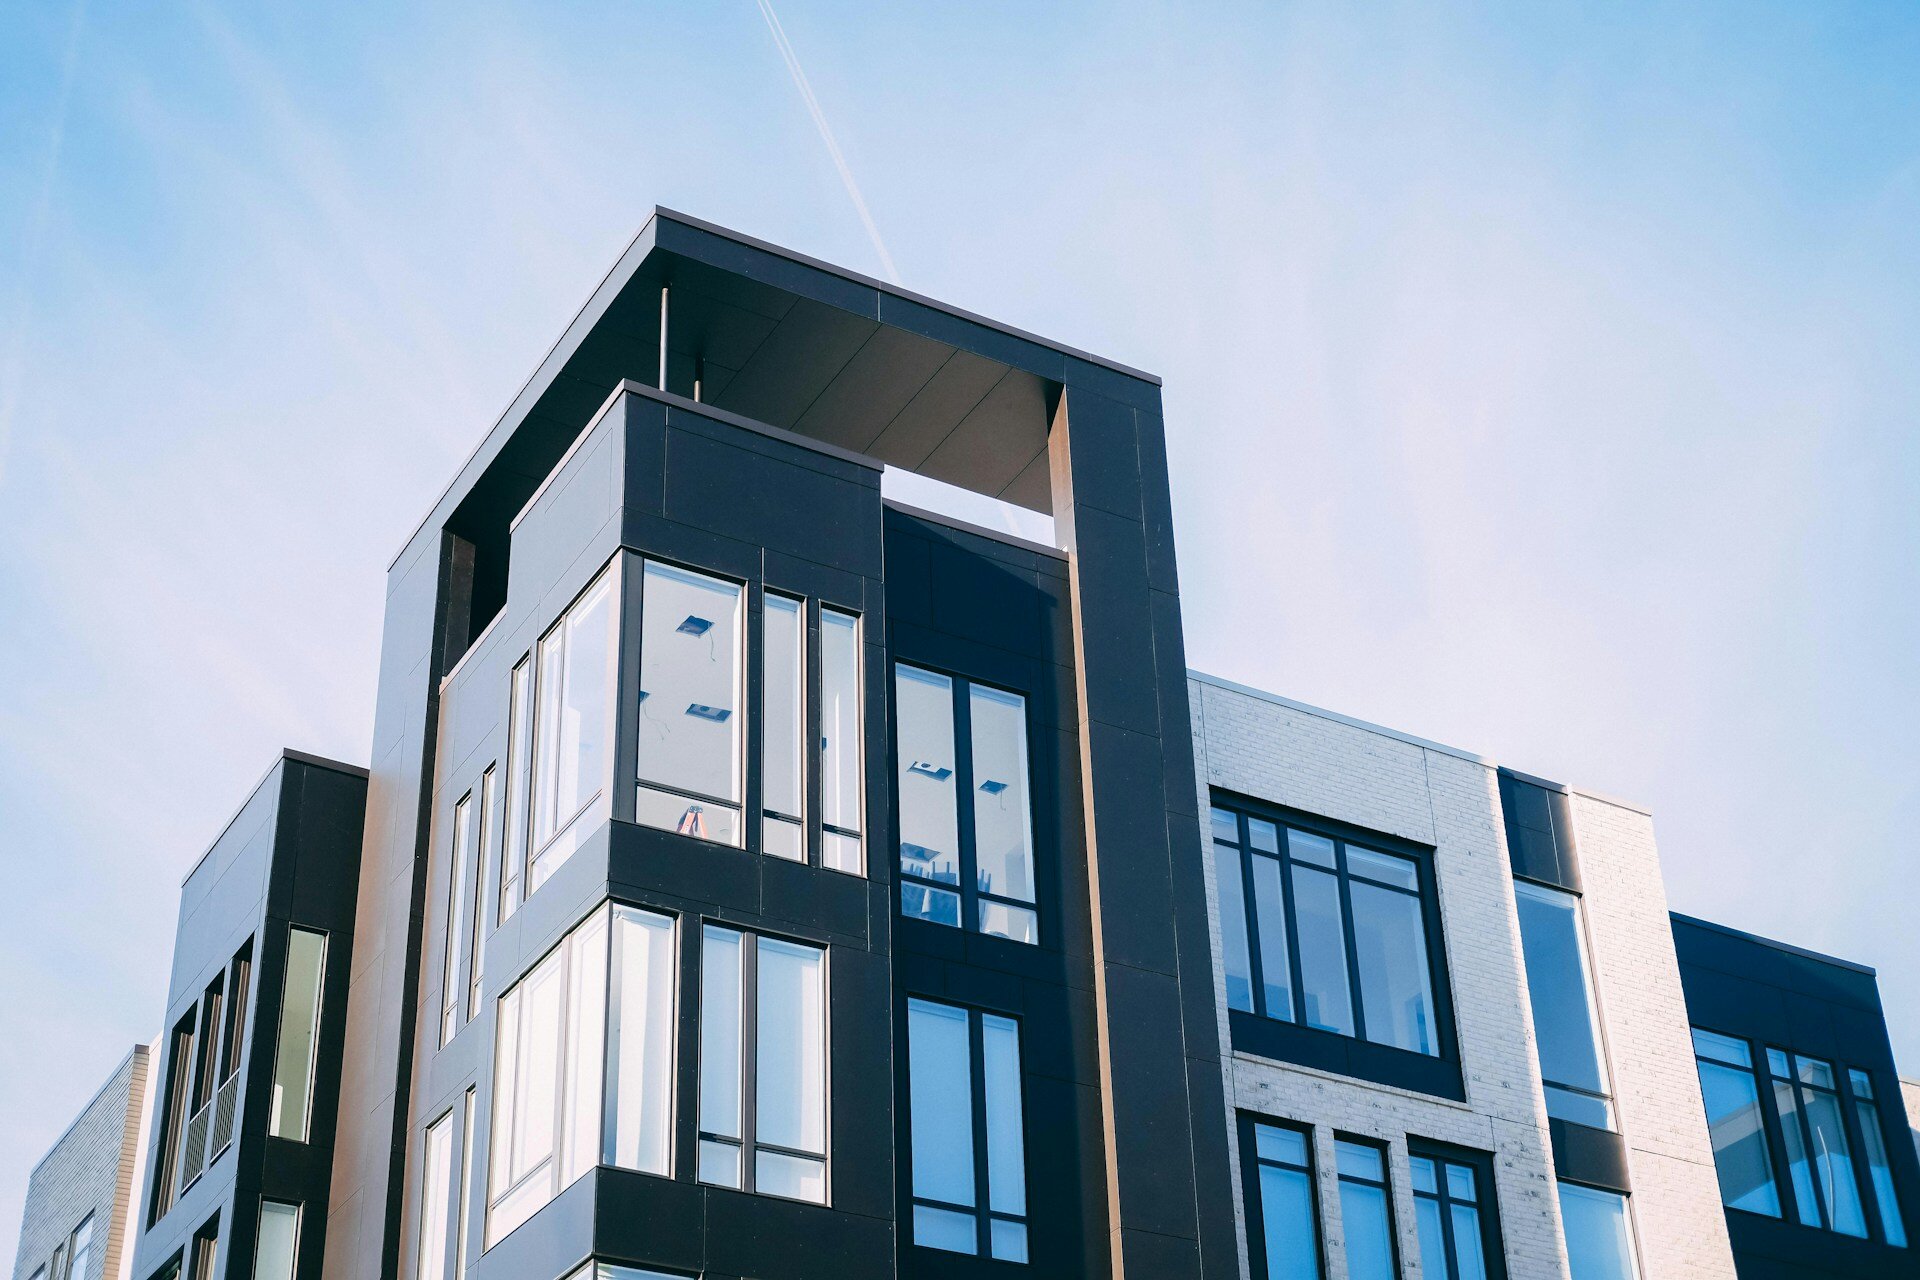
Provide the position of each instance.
(286, 754)
(1351, 721)
(1775, 943)
(135, 1052)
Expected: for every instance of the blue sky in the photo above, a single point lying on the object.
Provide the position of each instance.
(1540, 379)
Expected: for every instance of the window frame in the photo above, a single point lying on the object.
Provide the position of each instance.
(313, 1035)
(982, 1212)
(966, 855)
(1635, 1267)
(1254, 1202)
(259, 1230)
(1596, 1012)
(815, 831)
(1384, 1184)
(1487, 1204)
(1294, 1039)
(453, 991)
(747, 1069)
(1769, 1121)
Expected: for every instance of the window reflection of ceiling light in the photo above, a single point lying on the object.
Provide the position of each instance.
(695, 625)
(939, 773)
(993, 786)
(705, 712)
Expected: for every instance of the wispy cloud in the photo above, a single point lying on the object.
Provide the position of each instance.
(826, 136)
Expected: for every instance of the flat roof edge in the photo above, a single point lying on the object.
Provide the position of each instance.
(1789, 948)
(138, 1049)
(1352, 722)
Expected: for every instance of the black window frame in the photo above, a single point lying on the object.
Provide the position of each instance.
(1769, 1123)
(1609, 1098)
(813, 829)
(1251, 1163)
(981, 1211)
(1487, 1203)
(968, 889)
(1293, 1040)
(1384, 1183)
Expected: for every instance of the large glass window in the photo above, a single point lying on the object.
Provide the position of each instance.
(967, 866)
(277, 1246)
(436, 1189)
(1283, 1232)
(968, 1131)
(783, 718)
(291, 1113)
(691, 695)
(1454, 1217)
(1599, 1233)
(1814, 1131)
(1566, 1018)
(1366, 1210)
(453, 992)
(572, 724)
(1873, 1139)
(1741, 1155)
(842, 762)
(598, 1008)
(763, 1064)
(1325, 932)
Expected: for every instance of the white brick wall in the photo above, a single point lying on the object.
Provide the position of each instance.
(1342, 770)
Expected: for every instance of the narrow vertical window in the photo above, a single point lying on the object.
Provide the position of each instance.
(476, 911)
(171, 1120)
(1599, 1233)
(1237, 955)
(292, 1107)
(1453, 1216)
(277, 1247)
(1366, 1210)
(783, 727)
(959, 738)
(453, 992)
(80, 1250)
(842, 762)
(513, 846)
(572, 725)
(689, 747)
(763, 1065)
(1742, 1157)
(640, 1039)
(204, 1251)
(464, 1196)
(436, 1186)
(968, 1131)
(239, 990)
(1814, 1130)
(1283, 1234)
(1879, 1172)
(1566, 1017)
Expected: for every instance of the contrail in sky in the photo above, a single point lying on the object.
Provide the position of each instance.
(826, 136)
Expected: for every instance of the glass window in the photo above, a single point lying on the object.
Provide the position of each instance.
(170, 1120)
(436, 1188)
(1454, 1215)
(597, 1008)
(968, 1131)
(986, 881)
(232, 1036)
(783, 741)
(766, 998)
(1741, 1155)
(453, 992)
(1814, 1132)
(572, 725)
(1599, 1234)
(513, 848)
(291, 1112)
(464, 1196)
(1566, 1021)
(1325, 933)
(279, 1241)
(80, 1250)
(1283, 1233)
(842, 764)
(476, 911)
(691, 695)
(608, 1271)
(1366, 1212)
(1879, 1172)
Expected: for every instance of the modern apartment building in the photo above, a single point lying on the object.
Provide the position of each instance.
(759, 877)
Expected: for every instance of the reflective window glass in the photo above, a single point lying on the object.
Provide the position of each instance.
(691, 696)
(1741, 1155)
(1566, 1020)
(1599, 1236)
(783, 734)
(573, 705)
(842, 762)
(966, 1121)
(290, 1111)
(1287, 1244)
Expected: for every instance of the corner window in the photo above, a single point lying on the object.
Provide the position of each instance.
(572, 725)
(276, 1247)
(1283, 1232)
(1366, 1209)
(1325, 932)
(691, 694)
(965, 865)
(1599, 1233)
(583, 1068)
(763, 1065)
(967, 1131)
(1454, 1216)
(291, 1113)
(1566, 1018)
(1742, 1157)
